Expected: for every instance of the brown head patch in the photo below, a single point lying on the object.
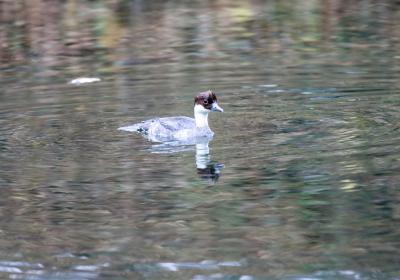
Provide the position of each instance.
(206, 99)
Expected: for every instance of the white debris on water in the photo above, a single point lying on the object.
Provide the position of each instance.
(84, 80)
(268, 85)
(86, 267)
(206, 264)
(6, 269)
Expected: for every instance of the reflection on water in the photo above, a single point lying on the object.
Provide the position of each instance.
(308, 141)
(23, 270)
(205, 168)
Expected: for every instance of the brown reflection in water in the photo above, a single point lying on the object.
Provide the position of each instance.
(55, 30)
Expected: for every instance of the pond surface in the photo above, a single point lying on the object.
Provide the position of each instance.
(302, 177)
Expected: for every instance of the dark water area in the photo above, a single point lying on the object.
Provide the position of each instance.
(302, 177)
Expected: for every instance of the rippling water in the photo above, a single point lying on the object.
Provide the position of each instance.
(301, 177)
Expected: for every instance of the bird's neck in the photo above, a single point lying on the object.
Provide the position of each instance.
(201, 116)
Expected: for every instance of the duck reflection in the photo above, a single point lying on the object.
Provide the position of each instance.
(206, 168)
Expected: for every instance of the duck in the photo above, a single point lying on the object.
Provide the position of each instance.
(181, 128)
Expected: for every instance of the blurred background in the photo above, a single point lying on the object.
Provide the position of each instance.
(301, 180)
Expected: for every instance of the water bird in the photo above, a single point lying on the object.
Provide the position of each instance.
(181, 129)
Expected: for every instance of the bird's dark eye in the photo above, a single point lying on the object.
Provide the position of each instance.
(205, 102)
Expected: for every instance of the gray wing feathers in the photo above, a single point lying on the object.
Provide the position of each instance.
(159, 126)
(177, 123)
